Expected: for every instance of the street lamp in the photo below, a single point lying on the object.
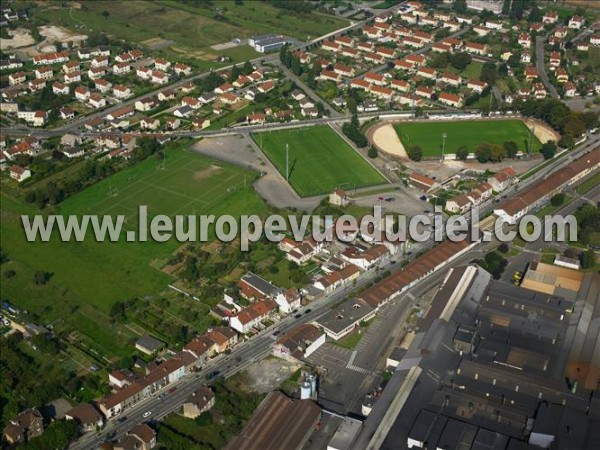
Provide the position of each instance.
(444, 136)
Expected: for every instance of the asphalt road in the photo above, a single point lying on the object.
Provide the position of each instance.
(541, 66)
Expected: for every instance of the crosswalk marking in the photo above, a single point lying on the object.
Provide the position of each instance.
(358, 369)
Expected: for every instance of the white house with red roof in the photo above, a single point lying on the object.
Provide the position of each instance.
(450, 99)
(375, 78)
(19, 173)
(551, 17)
(82, 93)
(576, 22)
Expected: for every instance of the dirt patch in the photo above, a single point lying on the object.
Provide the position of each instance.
(195, 54)
(224, 46)
(542, 131)
(205, 173)
(268, 374)
(20, 37)
(384, 138)
(157, 43)
(53, 33)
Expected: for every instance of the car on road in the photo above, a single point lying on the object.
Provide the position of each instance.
(162, 396)
(173, 389)
(297, 316)
(390, 199)
(307, 311)
(121, 419)
(147, 414)
(214, 374)
(427, 211)
(276, 333)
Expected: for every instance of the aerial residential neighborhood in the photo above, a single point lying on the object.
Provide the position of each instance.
(305, 224)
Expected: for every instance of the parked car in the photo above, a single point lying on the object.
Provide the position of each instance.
(146, 414)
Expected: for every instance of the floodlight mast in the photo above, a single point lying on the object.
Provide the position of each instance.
(444, 136)
(287, 163)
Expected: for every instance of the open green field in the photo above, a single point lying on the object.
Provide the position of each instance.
(470, 133)
(319, 160)
(89, 277)
(190, 27)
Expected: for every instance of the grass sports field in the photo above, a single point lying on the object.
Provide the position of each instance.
(319, 160)
(428, 135)
(88, 277)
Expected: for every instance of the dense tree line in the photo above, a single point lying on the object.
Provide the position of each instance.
(291, 61)
(588, 223)
(559, 116)
(236, 71)
(352, 131)
(22, 387)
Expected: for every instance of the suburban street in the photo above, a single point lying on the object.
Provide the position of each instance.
(541, 67)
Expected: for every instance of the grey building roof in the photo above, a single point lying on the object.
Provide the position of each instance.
(150, 343)
(457, 435)
(261, 285)
(428, 427)
(349, 312)
(489, 440)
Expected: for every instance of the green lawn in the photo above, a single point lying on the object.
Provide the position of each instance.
(88, 277)
(428, 135)
(588, 184)
(319, 160)
(188, 26)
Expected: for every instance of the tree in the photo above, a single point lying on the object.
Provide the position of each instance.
(489, 73)
(372, 153)
(483, 152)
(574, 126)
(40, 277)
(105, 14)
(558, 199)
(511, 148)
(460, 61)
(567, 142)
(497, 153)
(588, 259)
(535, 15)
(548, 150)
(439, 61)
(415, 153)
(460, 6)
(59, 434)
(295, 66)
(462, 153)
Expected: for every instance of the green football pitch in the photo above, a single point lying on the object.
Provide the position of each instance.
(428, 135)
(319, 160)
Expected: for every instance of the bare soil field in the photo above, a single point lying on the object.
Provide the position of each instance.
(20, 37)
(385, 139)
(542, 131)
